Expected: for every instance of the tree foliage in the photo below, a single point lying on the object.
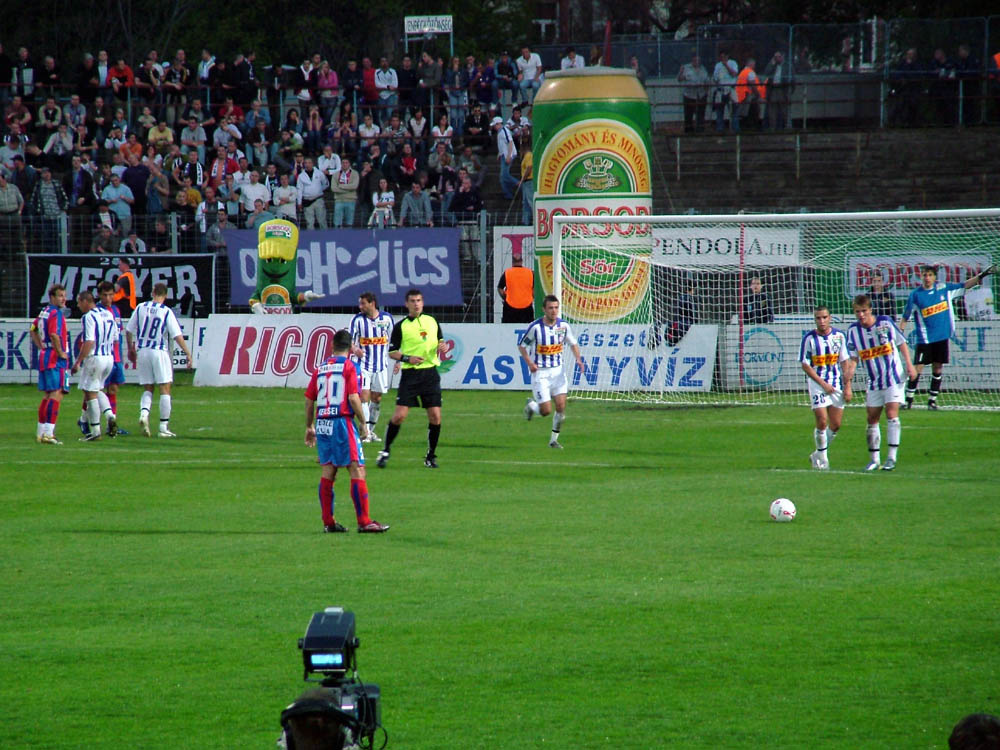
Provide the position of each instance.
(286, 30)
(279, 31)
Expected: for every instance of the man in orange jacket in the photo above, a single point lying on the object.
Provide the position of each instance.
(749, 91)
(517, 288)
(126, 290)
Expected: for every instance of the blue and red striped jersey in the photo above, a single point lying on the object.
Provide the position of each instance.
(51, 321)
(330, 386)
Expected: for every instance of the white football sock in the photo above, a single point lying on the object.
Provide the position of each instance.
(830, 435)
(104, 403)
(874, 435)
(533, 405)
(164, 412)
(557, 419)
(94, 417)
(819, 437)
(374, 409)
(892, 431)
(365, 411)
(145, 404)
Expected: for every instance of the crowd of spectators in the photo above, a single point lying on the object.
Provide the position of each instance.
(218, 143)
(951, 84)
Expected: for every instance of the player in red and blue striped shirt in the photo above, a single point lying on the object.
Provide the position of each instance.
(51, 337)
(332, 403)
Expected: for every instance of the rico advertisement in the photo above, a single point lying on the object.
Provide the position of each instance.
(342, 263)
(283, 350)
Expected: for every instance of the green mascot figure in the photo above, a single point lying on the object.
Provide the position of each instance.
(277, 249)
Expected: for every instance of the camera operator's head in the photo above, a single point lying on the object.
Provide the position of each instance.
(315, 721)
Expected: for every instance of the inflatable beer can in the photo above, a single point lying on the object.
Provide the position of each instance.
(592, 153)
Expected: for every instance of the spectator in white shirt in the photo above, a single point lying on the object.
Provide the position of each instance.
(571, 60)
(529, 75)
(311, 183)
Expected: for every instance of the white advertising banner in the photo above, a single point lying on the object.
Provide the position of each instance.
(19, 358)
(285, 350)
(692, 245)
(901, 273)
(427, 24)
(770, 356)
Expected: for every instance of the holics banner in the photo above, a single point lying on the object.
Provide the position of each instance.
(258, 350)
(189, 278)
(770, 355)
(342, 263)
(19, 357)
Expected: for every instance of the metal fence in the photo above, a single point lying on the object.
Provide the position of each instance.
(31, 234)
(843, 73)
(847, 48)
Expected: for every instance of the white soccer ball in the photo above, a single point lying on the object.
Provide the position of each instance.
(782, 510)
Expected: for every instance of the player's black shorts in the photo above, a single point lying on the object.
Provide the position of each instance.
(928, 354)
(421, 387)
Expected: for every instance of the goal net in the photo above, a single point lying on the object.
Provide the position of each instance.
(712, 309)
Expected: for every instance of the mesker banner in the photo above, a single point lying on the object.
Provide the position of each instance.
(189, 277)
(342, 263)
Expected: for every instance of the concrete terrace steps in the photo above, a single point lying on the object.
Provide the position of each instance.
(837, 171)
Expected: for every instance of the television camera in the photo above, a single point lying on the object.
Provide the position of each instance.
(342, 712)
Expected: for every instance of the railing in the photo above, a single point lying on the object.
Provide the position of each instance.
(870, 45)
(828, 101)
(31, 234)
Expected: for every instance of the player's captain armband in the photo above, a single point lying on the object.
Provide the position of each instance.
(934, 309)
(876, 351)
(549, 349)
(819, 360)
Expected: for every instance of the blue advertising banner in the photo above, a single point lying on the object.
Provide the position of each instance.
(342, 263)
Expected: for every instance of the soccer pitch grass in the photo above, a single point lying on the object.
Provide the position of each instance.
(628, 591)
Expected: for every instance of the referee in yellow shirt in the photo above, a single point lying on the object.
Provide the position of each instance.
(417, 343)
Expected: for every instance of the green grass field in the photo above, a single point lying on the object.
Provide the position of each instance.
(628, 591)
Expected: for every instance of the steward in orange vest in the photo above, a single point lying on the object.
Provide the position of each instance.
(517, 288)
(749, 91)
(747, 83)
(125, 294)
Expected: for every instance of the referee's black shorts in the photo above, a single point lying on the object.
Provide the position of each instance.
(419, 387)
(928, 354)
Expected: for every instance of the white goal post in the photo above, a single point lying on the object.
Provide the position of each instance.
(712, 309)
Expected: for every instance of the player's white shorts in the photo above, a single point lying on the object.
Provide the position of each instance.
(547, 382)
(154, 367)
(820, 399)
(377, 380)
(891, 395)
(95, 371)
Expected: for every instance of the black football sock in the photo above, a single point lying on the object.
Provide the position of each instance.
(433, 433)
(935, 388)
(390, 435)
